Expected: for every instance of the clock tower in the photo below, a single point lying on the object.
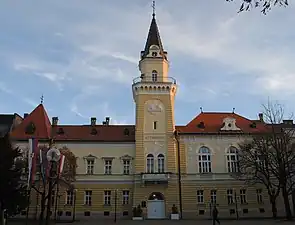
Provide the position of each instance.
(155, 154)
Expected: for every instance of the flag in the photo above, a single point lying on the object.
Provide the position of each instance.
(42, 165)
(32, 160)
(61, 164)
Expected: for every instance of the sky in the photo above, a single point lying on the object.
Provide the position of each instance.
(82, 56)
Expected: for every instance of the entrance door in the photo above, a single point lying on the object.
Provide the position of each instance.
(156, 209)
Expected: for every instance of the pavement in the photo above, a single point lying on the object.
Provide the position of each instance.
(164, 222)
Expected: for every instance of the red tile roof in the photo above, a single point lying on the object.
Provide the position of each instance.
(39, 118)
(213, 122)
(105, 133)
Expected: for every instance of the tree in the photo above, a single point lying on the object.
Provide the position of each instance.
(269, 157)
(13, 189)
(65, 179)
(264, 5)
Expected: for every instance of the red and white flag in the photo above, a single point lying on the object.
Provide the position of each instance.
(61, 164)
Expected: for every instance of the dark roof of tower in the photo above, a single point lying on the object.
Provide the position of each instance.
(153, 39)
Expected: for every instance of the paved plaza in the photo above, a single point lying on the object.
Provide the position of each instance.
(166, 222)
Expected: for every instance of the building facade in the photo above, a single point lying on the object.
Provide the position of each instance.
(154, 163)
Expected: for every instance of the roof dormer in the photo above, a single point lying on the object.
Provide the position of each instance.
(229, 124)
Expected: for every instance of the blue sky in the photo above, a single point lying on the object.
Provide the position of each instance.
(83, 54)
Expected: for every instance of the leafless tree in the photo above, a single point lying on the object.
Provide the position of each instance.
(268, 158)
(264, 5)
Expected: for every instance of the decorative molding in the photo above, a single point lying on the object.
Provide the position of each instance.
(229, 124)
(107, 157)
(90, 156)
(154, 138)
(126, 157)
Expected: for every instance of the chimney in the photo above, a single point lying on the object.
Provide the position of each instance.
(260, 115)
(107, 120)
(54, 121)
(289, 122)
(93, 121)
(25, 115)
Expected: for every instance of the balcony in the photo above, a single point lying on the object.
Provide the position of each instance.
(160, 80)
(155, 178)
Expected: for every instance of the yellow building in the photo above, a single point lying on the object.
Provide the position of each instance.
(122, 166)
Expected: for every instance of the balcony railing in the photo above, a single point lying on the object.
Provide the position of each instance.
(160, 80)
(155, 177)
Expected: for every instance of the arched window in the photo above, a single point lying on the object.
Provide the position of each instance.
(150, 163)
(204, 160)
(161, 163)
(154, 76)
(232, 159)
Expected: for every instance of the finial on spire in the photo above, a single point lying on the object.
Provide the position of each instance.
(234, 110)
(42, 99)
(154, 8)
(201, 109)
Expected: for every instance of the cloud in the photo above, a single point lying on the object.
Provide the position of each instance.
(10, 91)
(90, 51)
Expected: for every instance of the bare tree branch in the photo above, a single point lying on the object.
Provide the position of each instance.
(264, 5)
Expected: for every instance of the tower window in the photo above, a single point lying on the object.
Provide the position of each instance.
(154, 54)
(154, 76)
(155, 125)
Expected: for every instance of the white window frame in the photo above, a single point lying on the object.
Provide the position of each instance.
(107, 197)
(150, 163)
(200, 196)
(232, 160)
(69, 197)
(243, 196)
(108, 166)
(126, 166)
(154, 76)
(125, 197)
(230, 196)
(259, 196)
(90, 166)
(213, 196)
(88, 197)
(161, 163)
(204, 160)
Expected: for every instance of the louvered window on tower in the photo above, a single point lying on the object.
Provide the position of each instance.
(154, 76)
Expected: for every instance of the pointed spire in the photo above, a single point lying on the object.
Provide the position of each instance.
(153, 36)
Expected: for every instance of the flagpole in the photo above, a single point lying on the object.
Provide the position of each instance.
(29, 188)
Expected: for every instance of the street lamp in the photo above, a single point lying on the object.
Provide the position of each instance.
(53, 156)
(236, 203)
(74, 207)
(116, 195)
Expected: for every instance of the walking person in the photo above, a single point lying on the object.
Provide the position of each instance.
(215, 215)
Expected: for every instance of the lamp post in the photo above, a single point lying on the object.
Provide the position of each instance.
(53, 156)
(116, 195)
(236, 202)
(74, 207)
(176, 134)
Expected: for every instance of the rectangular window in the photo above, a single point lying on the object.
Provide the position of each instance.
(200, 196)
(259, 196)
(213, 196)
(107, 197)
(126, 166)
(243, 196)
(69, 198)
(88, 198)
(125, 197)
(90, 166)
(108, 166)
(155, 125)
(230, 197)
